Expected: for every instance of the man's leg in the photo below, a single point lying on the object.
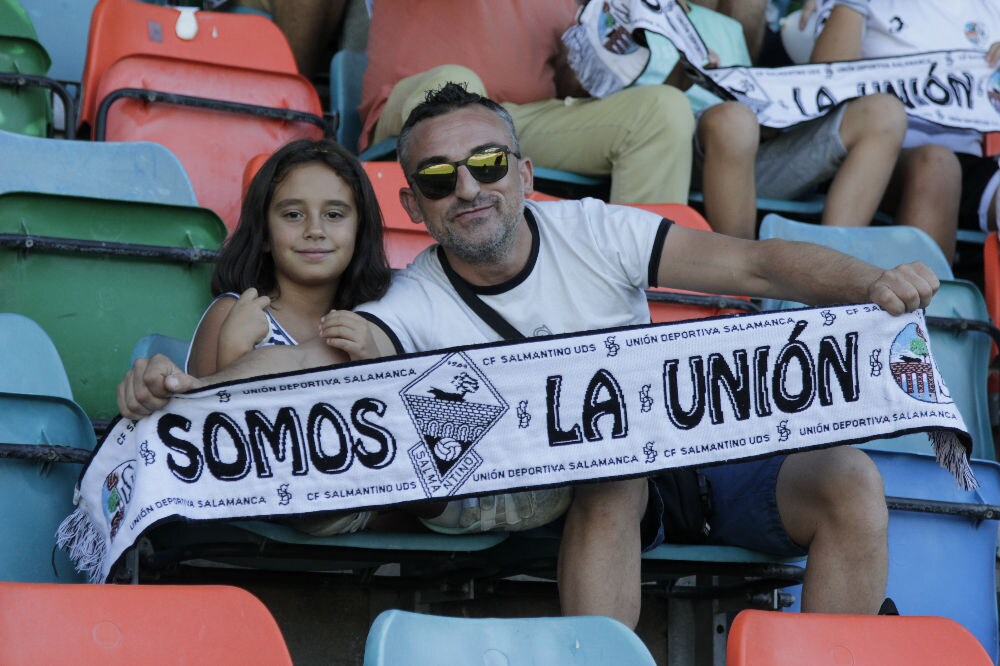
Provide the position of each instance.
(925, 192)
(640, 136)
(728, 136)
(599, 558)
(832, 502)
(872, 132)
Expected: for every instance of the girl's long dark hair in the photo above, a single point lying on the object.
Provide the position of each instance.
(242, 263)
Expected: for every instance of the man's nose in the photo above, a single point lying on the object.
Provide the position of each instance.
(466, 187)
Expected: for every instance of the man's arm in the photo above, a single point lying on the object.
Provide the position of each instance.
(150, 383)
(788, 270)
(841, 36)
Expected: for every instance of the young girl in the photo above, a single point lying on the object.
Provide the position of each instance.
(309, 242)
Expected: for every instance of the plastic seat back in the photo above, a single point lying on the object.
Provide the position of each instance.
(147, 624)
(132, 171)
(403, 238)
(767, 638)
(175, 349)
(400, 637)
(122, 28)
(942, 554)
(100, 274)
(30, 362)
(37, 494)
(991, 276)
(62, 29)
(885, 247)
(213, 145)
(36, 407)
(347, 69)
(22, 110)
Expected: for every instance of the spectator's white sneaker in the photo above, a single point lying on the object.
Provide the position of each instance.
(511, 512)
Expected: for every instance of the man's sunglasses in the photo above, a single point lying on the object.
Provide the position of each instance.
(437, 181)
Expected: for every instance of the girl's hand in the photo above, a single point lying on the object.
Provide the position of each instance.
(350, 333)
(244, 327)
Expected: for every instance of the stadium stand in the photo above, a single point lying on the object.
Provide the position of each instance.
(215, 98)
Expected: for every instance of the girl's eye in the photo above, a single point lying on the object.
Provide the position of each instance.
(334, 214)
(292, 215)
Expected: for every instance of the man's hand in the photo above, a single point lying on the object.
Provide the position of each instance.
(904, 288)
(150, 384)
(350, 333)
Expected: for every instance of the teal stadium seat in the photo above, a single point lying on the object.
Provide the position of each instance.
(36, 410)
(347, 70)
(400, 637)
(62, 27)
(130, 171)
(176, 349)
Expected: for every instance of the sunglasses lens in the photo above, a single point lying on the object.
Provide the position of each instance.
(489, 166)
(436, 181)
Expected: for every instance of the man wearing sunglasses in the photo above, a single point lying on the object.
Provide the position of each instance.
(565, 266)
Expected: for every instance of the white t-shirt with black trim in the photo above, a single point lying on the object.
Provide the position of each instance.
(590, 263)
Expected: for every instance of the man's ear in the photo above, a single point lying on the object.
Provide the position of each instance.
(409, 202)
(527, 171)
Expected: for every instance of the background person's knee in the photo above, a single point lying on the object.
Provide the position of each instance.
(729, 127)
(656, 112)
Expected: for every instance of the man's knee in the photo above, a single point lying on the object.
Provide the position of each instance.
(932, 162)
(850, 488)
(873, 115)
(656, 112)
(730, 128)
(838, 488)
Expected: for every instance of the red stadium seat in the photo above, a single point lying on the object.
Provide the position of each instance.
(122, 28)
(768, 638)
(404, 239)
(60, 623)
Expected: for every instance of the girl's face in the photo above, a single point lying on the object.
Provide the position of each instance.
(313, 223)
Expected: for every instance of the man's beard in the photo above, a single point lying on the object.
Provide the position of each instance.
(492, 250)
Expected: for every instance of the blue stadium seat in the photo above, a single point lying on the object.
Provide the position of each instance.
(36, 410)
(400, 637)
(175, 349)
(885, 247)
(942, 542)
(129, 171)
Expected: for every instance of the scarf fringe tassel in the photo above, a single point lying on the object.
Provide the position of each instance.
(86, 546)
(951, 455)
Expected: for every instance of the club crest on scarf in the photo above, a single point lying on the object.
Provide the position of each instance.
(452, 406)
(913, 369)
(116, 494)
